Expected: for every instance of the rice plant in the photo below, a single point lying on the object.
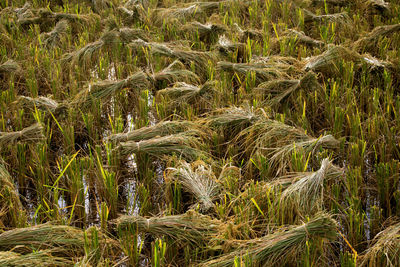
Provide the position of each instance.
(271, 117)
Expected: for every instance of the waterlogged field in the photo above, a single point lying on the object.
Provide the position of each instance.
(187, 133)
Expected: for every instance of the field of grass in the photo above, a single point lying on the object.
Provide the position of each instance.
(199, 133)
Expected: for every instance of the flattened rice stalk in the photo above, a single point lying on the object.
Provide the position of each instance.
(385, 248)
(105, 89)
(369, 41)
(53, 38)
(279, 90)
(183, 93)
(186, 145)
(189, 228)
(158, 130)
(207, 32)
(13, 214)
(37, 258)
(283, 246)
(33, 133)
(173, 73)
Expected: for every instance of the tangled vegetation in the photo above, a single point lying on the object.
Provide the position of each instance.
(199, 133)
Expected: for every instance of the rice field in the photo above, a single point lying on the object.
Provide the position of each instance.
(200, 133)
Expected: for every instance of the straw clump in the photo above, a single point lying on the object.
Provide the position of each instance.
(8, 67)
(183, 93)
(277, 91)
(225, 46)
(342, 17)
(158, 130)
(11, 209)
(53, 38)
(68, 240)
(42, 103)
(301, 38)
(385, 248)
(264, 68)
(185, 145)
(64, 240)
(27, 16)
(305, 197)
(208, 33)
(277, 141)
(112, 37)
(329, 62)
(104, 89)
(282, 247)
(188, 57)
(189, 228)
(369, 41)
(231, 121)
(199, 180)
(39, 258)
(32, 133)
(173, 73)
(377, 7)
(185, 12)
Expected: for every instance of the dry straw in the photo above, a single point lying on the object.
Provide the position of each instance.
(10, 203)
(189, 228)
(278, 90)
(183, 12)
(53, 38)
(263, 72)
(305, 197)
(369, 41)
(68, 240)
(385, 248)
(185, 145)
(41, 102)
(65, 240)
(207, 32)
(158, 130)
(183, 93)
(282, 247)
(8, 67)
(198, 179)
(328, 62)
(105, 89)
(310, 17)
(303, 39)
(87, 53)
(231, 121)
(199, 59)
(225, 46)
(27, 16)
(173, 73)
(32, 133)
(37, 258)
(278, 141)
